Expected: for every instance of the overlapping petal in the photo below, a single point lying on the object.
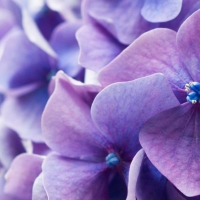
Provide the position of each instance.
(111, 15)
(171, 141)
(66, 122)
(74, 179)
(154, 52)
(97, 47)
(120, 110)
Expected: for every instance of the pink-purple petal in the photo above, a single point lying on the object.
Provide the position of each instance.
(75, 179)
(120, 110)
(188, 44)
(21, 176)
(161, 11)
(171, 141)
(97, 47)
(124, 27)
(66, 122)
(154, 52)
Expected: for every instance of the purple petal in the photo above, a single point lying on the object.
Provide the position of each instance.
(146, 56)
(161, 11)
(134, 173)
(188, 44)
(170, 140)
(124, 27)
(10, 145)
(66, 122)
(7, 22)
(120, 110)
(40, 148)
(28, 167)
(39, 192)
(23, 114)
(16, 70)
(47, 20)
(66, 46)
(73, 179)
(97, 47)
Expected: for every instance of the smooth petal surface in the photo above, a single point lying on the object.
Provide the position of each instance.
(21, 176)
(66, 122)
(27, 66)
(154, 52)
(133, 174)
(7, 22)
(189, 43)
(97, 47)
(161, 11)
(171, 141)
(10, 145)
(23, 114)
(124, 27)
(120, 110)
(74, 179)
(39, 192)
(66, 46)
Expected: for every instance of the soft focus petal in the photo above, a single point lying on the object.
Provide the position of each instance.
(66, 122)
(170, 140)
(189, 43)
(10, 145)
(23, 114)
(97, 47)
(39, 192)
(155, 51)
(120, 18)
(73, 179)
(22, 62)
(66, 46)
(21, 176)
(120, 110)
(7, 22)
(161, 11)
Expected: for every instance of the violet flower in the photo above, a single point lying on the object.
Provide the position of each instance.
(170, 139)
(105, 33)
(94, 147)
(30, 75)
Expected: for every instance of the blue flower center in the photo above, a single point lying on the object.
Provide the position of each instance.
(50, 75)
(112, 160)
(193, 92)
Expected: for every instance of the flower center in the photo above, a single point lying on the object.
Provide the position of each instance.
(112, 160)
(193, 92)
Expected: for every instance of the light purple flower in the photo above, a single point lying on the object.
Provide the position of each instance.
(170, 139)
(94, 146)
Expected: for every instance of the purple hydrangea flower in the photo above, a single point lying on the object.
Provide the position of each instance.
(26, 75)
(94, 146)
(171, 139)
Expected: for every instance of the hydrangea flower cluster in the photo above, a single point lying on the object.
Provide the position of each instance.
(100, 100)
